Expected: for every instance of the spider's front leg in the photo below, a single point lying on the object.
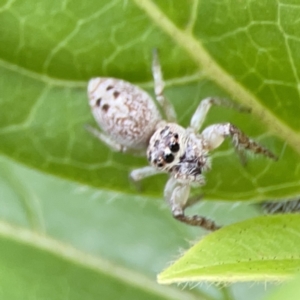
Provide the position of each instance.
(178, 197)
(138, 174)
(159, 86)
(214, 136)
(141, 173)
(200, 114)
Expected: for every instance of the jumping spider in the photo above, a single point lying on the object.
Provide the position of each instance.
(131, 121)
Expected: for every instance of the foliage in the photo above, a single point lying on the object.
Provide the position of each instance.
(247, 51)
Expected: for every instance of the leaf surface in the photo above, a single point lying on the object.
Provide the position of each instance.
(260, 249)
(51, 50)
(247, 51)
(53, 270)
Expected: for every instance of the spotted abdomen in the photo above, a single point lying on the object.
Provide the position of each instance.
(123, 111)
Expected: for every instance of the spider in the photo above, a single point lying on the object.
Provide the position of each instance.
(131, 122)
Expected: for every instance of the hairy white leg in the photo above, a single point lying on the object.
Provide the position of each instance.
(169, 188)
(105, 139)
(111, 143)
(138, 174)
(177, 196)
(214, 136)
(159, 89)
(144, 172)
(200, 114)
(192, 200)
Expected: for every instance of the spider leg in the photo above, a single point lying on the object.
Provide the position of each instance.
(138, 174)
(111, 143)
(105, 139)
(177, 196)
(141, 173)
(284, 206)
(159, 89)
(200, 114)
(192, 200)
(214, 136)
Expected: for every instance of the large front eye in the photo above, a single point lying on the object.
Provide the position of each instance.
(169, 157)
(174, 147)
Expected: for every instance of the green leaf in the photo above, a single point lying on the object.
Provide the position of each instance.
(260, 249)
(57, 236)
(52, 270)
(50, 51)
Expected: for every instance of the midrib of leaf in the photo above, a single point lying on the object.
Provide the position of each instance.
(227, 279)
(194, 48)
(87, 261)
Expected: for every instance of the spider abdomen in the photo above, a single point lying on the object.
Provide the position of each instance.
(124, 112)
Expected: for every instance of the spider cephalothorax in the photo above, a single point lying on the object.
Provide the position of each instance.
(130, 121)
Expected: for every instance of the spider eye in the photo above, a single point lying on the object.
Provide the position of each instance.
(174, 147)
(169, 157)
(160, 165)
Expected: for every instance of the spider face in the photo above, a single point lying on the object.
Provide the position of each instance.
(166, 146)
